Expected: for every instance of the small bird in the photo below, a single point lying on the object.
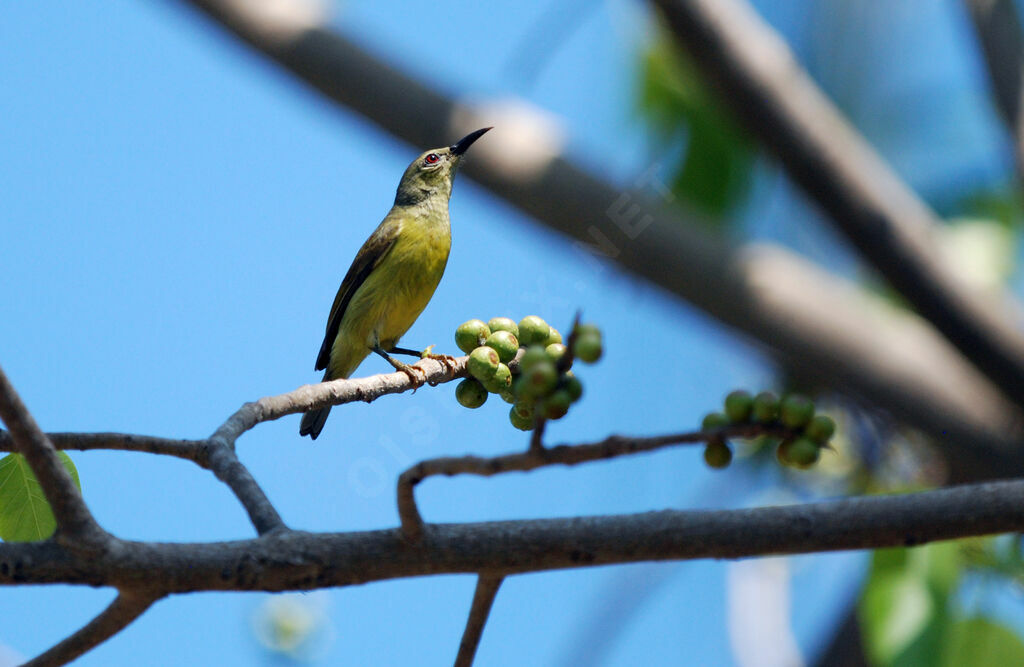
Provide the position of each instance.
(393, 275)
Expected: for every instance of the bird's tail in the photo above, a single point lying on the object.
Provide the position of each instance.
(313, 421)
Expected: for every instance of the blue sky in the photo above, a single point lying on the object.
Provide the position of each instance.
(177, 214)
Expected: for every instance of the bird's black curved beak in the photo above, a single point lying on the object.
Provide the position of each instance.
(463, 144)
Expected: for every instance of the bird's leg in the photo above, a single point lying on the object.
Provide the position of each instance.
(446, 359)
(417, 381)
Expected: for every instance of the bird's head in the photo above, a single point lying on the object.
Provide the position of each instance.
(432, 173)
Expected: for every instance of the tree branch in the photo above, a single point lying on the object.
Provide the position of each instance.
(611, 447)
(294, 560)
(999, 31)
(75, 522)
(191, 450)
(483, 599)
(761, 81)
(125, 608)
(821, 327)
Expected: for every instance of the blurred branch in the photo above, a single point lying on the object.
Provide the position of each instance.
(483, 599)
(818, 325)
(998, 27)
(125, 608)
(761, 81)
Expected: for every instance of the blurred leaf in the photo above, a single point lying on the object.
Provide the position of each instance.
(904, 609)
(715, 171)
(979, 641)
(25, 516)
(1004, 206)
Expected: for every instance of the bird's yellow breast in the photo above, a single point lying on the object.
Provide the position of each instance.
(388, 302)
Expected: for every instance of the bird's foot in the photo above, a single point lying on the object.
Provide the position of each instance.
(446, 360)
(417, 380)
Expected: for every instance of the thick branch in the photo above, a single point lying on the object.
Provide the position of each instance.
(483, 599)
(74, 521)
(125, 608)
(823, 328)
(778, 102)
(292, 560)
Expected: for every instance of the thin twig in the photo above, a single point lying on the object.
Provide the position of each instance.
(125, 608)
(225, 465)
(889, 225)
(335, 392)
(483, 599)
(537, 435)
(611, 447)
(74, 520)
(192, 450)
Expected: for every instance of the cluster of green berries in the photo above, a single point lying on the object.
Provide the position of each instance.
(542, 386)
(795, 413)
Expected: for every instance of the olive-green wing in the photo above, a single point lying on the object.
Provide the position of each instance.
(367, 259)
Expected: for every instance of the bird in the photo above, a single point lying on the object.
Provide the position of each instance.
(393, 276)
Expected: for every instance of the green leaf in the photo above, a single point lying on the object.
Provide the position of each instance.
(25, 516)
(895, 610)
(904, 609)
(979, 641)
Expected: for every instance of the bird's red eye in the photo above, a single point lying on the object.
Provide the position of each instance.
(431, 158)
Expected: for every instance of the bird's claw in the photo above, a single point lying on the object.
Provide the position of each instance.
(416, 381)
(446, 360)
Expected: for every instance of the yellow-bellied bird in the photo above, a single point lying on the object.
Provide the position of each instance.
(393, 275)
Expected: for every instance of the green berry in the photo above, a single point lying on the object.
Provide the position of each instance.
(553, 337)
(587, 348)
(520, 422)
(717, 454)
(509, 396)
(471, 335)
(533, 330)
(503, 324)
(470, 393)
(539, 380)
(796, 411)
(713, 420)
(555, 351)
(556, 405)
(483, 362)
(766, 407)
(524, 410)
(738, 406)
(532, 356)
(573, 386)
(500, 382)
(820, 429)
(803, 453)
(782, 453)
(587, 330)
(504, 343)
